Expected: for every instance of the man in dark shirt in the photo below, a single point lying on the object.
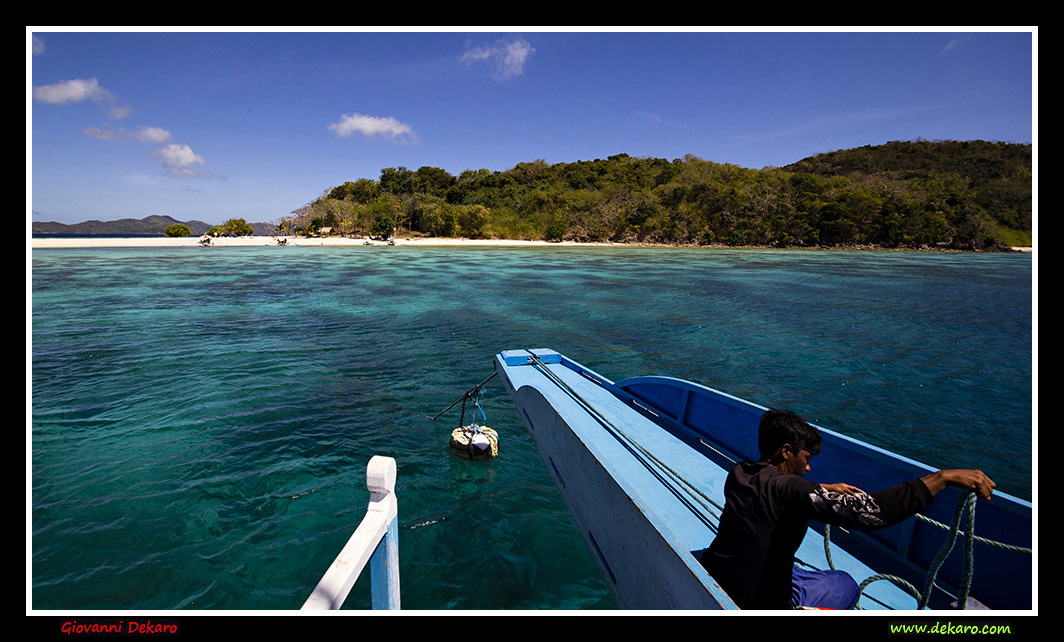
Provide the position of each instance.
(768, 506)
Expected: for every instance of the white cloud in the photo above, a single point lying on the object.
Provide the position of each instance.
(66, 92)
(506, 57)
(179, 160)
(373, 126)
(69, 91)
(154, 135)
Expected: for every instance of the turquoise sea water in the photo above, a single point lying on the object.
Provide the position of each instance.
(202, 417)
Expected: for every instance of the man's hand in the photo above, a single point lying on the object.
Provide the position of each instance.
(964, 479)
(845, 489)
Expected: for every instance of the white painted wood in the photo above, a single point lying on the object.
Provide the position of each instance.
(376, 539)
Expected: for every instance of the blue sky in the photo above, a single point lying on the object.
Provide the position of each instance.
(212, 125)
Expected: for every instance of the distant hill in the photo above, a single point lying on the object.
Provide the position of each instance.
(993, 176)
(129, 227)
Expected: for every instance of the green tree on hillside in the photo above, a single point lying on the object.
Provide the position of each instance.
(362, 191)
(233, 227)
(177, 230)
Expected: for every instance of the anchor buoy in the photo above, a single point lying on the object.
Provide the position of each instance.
(474, 443)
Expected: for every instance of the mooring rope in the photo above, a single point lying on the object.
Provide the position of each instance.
(686, 492)
(474, 394)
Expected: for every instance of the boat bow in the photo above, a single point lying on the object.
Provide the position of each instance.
(641, 466)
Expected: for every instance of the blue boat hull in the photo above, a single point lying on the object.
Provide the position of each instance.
(641, 465)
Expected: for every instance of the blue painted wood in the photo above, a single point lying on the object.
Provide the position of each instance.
(646, 537)
(384, 570)
(638, 533)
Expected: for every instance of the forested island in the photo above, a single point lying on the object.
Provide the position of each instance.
(970, 195)
(954, 194)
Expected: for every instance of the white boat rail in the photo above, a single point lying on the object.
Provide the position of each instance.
(376, 540)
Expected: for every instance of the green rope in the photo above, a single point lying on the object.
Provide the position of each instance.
(965, 505)
(965, 508)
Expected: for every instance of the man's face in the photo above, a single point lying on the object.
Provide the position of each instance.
(795, 462)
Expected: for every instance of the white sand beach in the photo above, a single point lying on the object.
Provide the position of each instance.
(247, 241)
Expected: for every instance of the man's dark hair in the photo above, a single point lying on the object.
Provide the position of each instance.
(780, 427)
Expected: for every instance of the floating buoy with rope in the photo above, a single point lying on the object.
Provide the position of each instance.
(473, 442)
